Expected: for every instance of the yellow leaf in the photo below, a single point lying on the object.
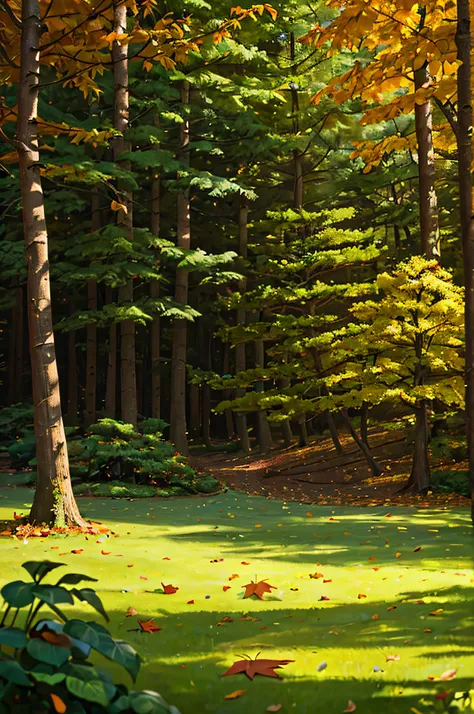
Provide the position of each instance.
(115, 206)
(419, 62)
(434, 613)
(235, 695)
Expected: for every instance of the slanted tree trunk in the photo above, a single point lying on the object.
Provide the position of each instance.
(374, 465)
(265, 440)
(91, 337)
(364, 423)
(110, 409)
(429, 226)
(464, 138)
(54, 500)
(128, 378)
(178, 430)
(240, 362)
(155, 294)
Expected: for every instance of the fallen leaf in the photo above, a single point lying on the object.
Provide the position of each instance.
(143, 577)
(131, 612)
(259, 589)
(190, 602)
(233, 576)
(235, 695)
(58, 639)
(294, 589)
(58, 704)
(327, 581)
(427, 630)
(169, 589)
(397, 555)
(324, 598)
(391, 607)
(105, 552)
(316, 576)
(130, 566)
(360, 596)
(258, 525)
(434, 613)
(251, 667)
(77, 551)
(249, 618)
(375, 617)
(224, 620)
(417, 549)
(351, 707)
(226, 588)
(274, 708)
(244, 563)
(308, 515)
(449, 674)
(393, 658)
(149, 626)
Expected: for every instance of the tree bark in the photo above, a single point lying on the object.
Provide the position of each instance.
(195, 410)
(265, 440)
(72, 386)
(374, 465)
(90, 414)
(155, 293)
(429, 226)
(110, 409)
(464, 43)
(420, 476)
(240, 362)
(15, 353)
(229, 418)
(178, 430)
(54, 500)
(364, 423)
(128, 378)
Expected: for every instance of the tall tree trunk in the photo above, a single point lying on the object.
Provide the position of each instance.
(195, 410)
(54, 500)
(110, 409)
(178, 431)
(265, 440)
(240, 362)
(155, 293)
(206, 391)
(15, 354)
(464, 43)
(364, 423)
(72, 386)
(128, 377)
(429, 226)
(420, 476)
(11, 398)
(229, 418)
(91, 337)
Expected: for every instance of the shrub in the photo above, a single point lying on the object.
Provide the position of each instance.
(14, 422)
(452, 482)
(45, 666)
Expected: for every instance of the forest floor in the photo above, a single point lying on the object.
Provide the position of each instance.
(395, 628)
(316, 473)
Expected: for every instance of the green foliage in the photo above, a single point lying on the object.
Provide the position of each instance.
(450, 481)
(14, 422)
(47, 663)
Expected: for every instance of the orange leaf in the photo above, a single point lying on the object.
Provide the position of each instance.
(143, 577)
(224, 620)
(274, 708)
(450, 674)
(308, 515)
(130, 566)
(392, 607)
(233, 576)
(77, 551)
(427, 630)
(58, 703)
(351, 707)
(226, 588)
(169, 589)
(244, 563)
(105, 552)
(235, 695)
(115, 206)
(397, 555)
(375, 617)
(59, 639)
(418, 548)
(259, 589)
(316, 576)
(360, 596)
(393, 658)
(149, 626)
(251, 667)
(434, 613)
(190, 602)
(131, 612)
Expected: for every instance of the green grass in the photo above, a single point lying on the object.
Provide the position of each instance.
(185, 659)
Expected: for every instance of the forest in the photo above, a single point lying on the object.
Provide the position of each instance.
(237, 268)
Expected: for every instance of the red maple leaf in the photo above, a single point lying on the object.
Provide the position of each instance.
(264, 667)
(259, 589)
(148, 626)
(169, 589)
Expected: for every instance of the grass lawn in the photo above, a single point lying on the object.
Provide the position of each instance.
(359, 551)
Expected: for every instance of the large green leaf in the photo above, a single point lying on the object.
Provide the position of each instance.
(85, 683)
(52, 594)
(50, 654)
(122, 704)
(51, 679)
(100, 640)
(12, 637)
(90, 596)
(75, 579)
(39, 568)
(12, 671)
(148, 702)
(18, 593)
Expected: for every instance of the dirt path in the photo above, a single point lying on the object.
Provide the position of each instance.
(316, 474)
